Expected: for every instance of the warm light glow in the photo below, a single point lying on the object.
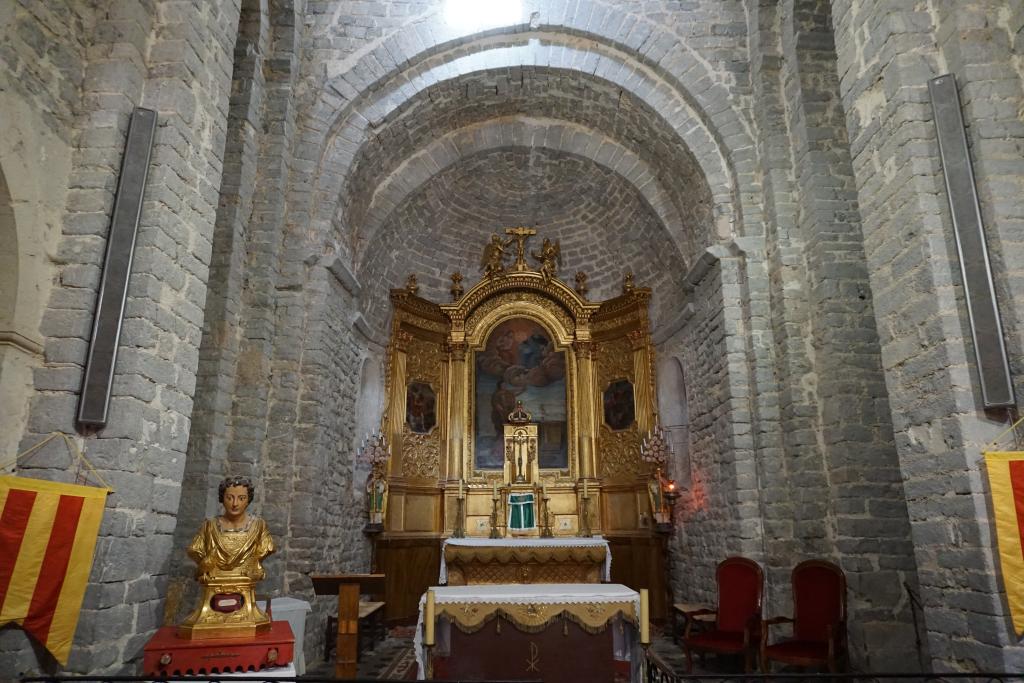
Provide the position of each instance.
(477, 15)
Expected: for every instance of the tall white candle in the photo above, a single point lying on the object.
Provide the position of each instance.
(645, 617)
(494, 490)
(461, 493)
(428, 620)
(585, 489)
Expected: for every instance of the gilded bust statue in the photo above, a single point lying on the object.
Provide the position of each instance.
(227, 551)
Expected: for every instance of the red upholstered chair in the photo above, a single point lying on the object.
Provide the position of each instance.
(738, 617)
(819, 620)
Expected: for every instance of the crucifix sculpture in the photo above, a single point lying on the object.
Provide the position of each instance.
(520, 235)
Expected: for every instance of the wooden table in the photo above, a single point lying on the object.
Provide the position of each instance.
(347, 587)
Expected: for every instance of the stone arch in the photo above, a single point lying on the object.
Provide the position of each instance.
(640, 60)
(496, 133)
(352, 128)
(35, 164)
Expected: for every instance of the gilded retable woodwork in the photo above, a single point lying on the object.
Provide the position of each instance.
(436, 344)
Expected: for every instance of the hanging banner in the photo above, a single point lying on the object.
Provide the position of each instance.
(1006, 480)
(48, 533)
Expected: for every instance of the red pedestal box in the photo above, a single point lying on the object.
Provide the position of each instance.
(168, 655)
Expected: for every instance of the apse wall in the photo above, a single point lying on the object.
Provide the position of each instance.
(603, 225)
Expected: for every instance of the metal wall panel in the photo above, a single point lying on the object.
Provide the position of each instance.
(982, 307)
(124, 224)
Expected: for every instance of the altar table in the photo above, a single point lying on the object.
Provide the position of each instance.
(556, 632)
(471, 561)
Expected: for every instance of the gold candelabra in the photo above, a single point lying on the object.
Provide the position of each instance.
(545, 531)
(494, 516)
(585, 531)
(460, 518)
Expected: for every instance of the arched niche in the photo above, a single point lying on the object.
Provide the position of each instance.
(8, 258)
(674, 415)
(369, 404)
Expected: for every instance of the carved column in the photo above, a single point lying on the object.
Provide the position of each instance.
(457, 378)
(396, 401)
(586, 402)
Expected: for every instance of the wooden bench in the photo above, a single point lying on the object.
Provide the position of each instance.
(371, 628)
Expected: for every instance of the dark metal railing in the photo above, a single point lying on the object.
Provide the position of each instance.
(654, 675)
(657, 674)
(251, 677)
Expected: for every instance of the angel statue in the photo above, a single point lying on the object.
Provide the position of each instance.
(550, 258)
(493, 260)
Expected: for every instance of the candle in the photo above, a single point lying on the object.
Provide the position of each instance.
(645, 618)
(461, 494)
(494, 490)
(585, 489)
(543, 490)
(428, 619)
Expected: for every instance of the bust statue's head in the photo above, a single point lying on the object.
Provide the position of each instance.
(235, 494)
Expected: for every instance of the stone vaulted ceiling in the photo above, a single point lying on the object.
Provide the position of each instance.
(573, 155)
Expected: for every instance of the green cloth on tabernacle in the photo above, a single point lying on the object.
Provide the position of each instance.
(521, 514)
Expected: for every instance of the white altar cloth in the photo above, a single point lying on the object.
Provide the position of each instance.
(567, 542)
(626, 642)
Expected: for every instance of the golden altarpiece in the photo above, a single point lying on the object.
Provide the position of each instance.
(456, 371)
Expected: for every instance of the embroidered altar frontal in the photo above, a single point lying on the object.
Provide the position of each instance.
(542, 631)
(487, 561)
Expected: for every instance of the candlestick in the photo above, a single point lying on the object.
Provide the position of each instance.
(428, 619)
(645, 617)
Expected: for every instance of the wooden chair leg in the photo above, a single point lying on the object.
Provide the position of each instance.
(689, 660)
(330, 635)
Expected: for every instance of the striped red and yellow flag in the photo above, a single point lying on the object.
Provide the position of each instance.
(48, 533)
(1006, 479)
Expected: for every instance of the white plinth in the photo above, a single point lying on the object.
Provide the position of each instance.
(294, 612)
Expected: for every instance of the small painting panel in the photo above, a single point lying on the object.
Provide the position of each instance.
(619, 407)
(420, 407)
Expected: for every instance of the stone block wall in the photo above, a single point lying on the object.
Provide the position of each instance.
(886, 55)
(174, 58)
(719, 515)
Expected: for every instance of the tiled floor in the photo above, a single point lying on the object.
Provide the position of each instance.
(371, 664)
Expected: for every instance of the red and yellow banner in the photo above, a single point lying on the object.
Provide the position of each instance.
(1006, 479)
(48, 533)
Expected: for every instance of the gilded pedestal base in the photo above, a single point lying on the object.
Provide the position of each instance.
(245, 622)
